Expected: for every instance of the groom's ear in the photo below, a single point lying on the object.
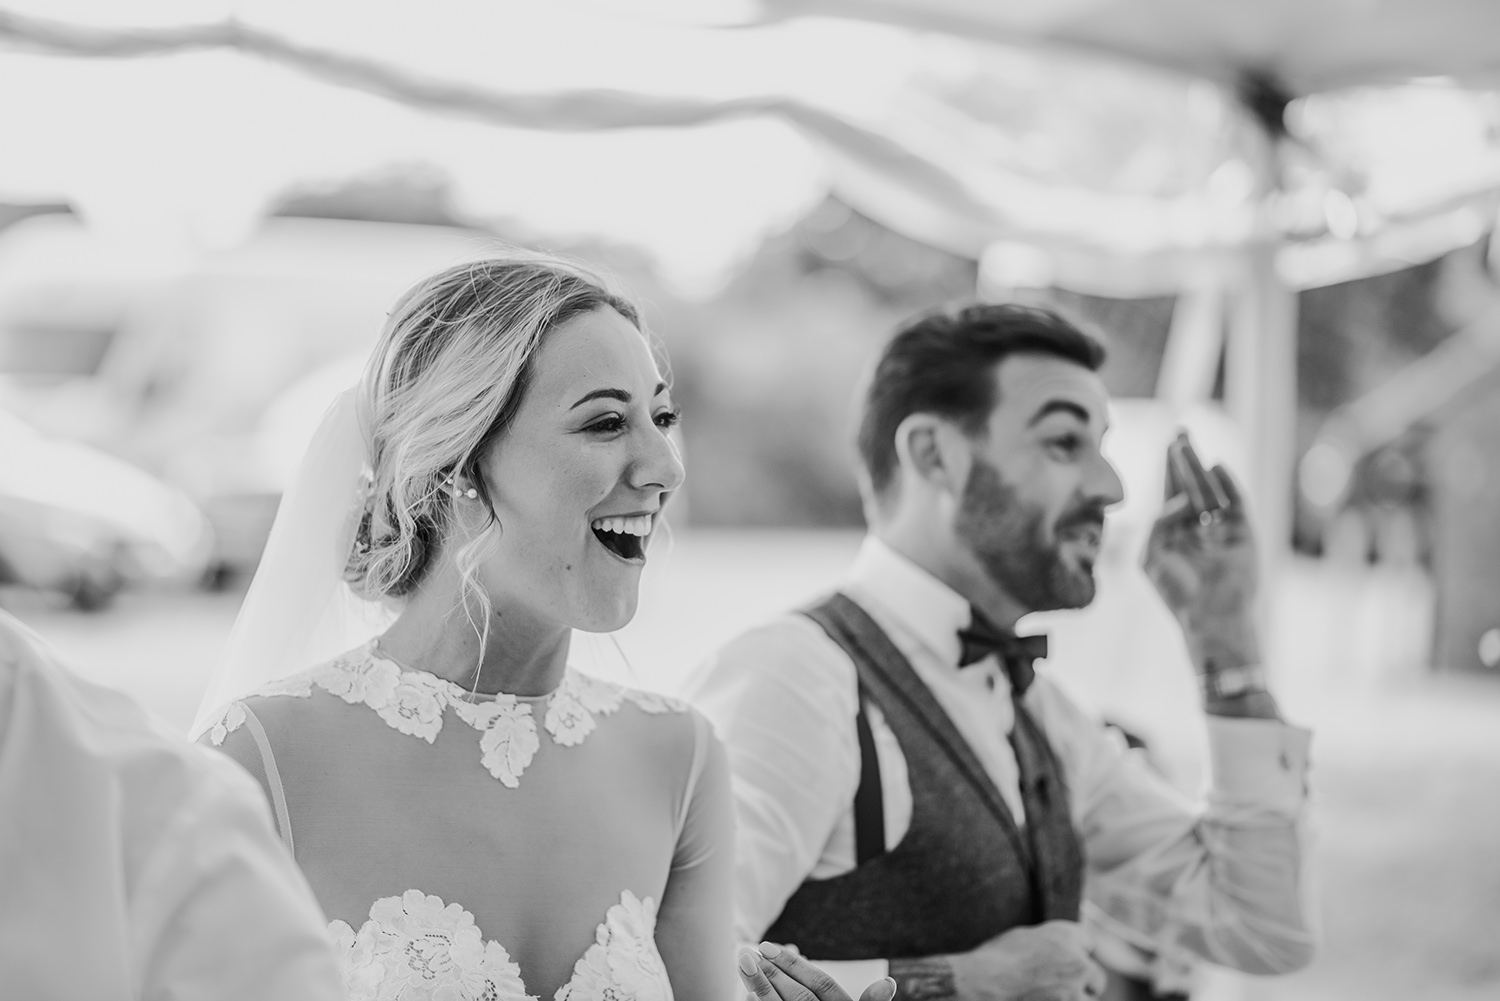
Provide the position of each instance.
(933, 450)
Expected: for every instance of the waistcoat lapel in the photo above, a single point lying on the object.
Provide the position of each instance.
(883, 666)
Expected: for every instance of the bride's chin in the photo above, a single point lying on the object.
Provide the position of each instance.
(606, 617)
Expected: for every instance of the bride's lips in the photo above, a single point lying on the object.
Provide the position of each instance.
(624, 536)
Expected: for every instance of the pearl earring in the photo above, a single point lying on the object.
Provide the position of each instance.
(471, 493)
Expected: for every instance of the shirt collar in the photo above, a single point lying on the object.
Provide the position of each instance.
(931, 611)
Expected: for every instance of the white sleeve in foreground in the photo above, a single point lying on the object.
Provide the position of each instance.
(222, 912)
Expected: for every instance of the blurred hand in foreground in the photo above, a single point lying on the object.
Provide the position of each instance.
(778, 973)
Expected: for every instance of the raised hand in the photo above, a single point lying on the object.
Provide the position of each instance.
(778, 973)
(1201, 554)
(1201, 557)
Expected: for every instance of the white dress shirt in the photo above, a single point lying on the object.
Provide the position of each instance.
(133, 864)
(1226, 882)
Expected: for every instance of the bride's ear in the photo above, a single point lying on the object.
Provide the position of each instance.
(462, 487)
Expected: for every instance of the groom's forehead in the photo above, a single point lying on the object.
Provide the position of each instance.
(1031, 387)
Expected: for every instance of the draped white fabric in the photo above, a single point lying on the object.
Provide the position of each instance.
(1120, 141)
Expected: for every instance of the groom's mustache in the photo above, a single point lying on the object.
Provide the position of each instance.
(1086, 515)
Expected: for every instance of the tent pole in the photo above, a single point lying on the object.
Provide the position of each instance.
(1195, 342)
(1260, 393)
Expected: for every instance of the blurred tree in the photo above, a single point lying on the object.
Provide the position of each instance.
(767, 369)
(1354, 335)
(1135, 331)
(413, 193)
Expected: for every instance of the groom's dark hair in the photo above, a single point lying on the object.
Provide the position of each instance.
(944, 363)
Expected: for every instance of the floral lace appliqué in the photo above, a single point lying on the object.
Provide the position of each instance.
(358, 677)
(414, 947)
(623, 963)
(414, 702)
(417, 703)
(231, 720)
(509, 740)
(572, 709)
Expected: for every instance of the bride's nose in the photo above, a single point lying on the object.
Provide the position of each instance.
(656, 463)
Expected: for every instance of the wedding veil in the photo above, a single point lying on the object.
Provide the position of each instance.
(299, 611)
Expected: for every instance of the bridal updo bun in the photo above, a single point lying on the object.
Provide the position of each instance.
(445, 380)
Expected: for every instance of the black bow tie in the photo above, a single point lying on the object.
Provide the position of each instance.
(1016, 653)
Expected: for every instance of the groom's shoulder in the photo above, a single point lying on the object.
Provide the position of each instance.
(788, 635)
(788, 650)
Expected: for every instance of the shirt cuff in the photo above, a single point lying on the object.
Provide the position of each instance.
(1258, 762)
(854, 975)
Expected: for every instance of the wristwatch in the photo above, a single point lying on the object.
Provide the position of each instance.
(929, 978)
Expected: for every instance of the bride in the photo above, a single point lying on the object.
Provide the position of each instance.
(477, 819)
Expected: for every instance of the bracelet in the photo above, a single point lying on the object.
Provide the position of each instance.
(1220, 683)
(928, 978)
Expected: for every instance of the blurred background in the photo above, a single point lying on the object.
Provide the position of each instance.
(1279, 215)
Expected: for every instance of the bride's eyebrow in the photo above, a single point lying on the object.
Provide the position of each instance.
(603, 394)
(622, 395)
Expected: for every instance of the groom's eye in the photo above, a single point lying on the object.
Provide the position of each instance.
(1065, 446)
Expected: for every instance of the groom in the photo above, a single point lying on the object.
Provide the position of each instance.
(911, 797)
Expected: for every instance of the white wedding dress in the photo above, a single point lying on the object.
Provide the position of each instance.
(496, 847)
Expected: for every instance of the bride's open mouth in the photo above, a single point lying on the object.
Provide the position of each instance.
(624, 536)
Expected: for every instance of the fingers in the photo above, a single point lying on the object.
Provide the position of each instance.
(754, 979)
(1174, 486)
(794, 978)
(1095, 980)
(1228, 487)
(788, 976)
(1180, 474)
(1188, 471)
(1214, 497)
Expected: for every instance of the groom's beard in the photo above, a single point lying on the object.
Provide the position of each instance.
(1010, 540)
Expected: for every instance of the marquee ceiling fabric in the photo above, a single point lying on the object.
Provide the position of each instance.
(1308, 46)
(1132, 169)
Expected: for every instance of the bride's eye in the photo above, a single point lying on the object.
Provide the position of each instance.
(612, 424)
(668, 419)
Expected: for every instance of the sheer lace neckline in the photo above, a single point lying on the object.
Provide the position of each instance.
(416, 703)
(377, 652)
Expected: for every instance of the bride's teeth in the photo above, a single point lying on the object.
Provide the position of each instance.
(640, 525)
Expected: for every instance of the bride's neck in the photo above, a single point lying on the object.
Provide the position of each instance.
(522, 655)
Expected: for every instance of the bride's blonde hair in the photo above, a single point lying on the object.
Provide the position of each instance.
(445, 380)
